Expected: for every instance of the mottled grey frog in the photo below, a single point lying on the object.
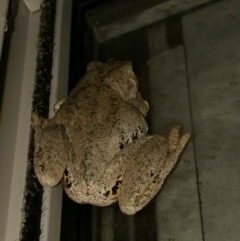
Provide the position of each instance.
(97, 145)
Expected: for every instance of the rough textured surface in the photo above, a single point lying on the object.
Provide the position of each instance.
(98, 143)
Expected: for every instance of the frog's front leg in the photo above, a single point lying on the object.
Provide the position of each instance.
(148, 168)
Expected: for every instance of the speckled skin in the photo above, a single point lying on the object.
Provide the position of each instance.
(97, 143)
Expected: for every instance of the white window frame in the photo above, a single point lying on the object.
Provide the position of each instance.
(15, 115)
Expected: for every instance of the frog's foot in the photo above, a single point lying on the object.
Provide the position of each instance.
(177, 142)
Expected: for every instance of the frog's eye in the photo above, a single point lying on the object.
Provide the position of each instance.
(57, 105)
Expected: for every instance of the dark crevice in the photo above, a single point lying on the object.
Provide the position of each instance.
(174, 31)
(32, 209)
(194, 145)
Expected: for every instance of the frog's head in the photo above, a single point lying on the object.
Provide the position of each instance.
(119, 76)
(51, 148)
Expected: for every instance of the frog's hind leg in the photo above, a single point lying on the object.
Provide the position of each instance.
(50, 158)
(148, 169)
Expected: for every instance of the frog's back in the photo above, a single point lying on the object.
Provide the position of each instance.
(99, 120)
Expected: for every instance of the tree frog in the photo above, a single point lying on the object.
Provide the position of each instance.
(97, 144)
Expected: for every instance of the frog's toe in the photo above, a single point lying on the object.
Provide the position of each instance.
(57, 105)
(128, 209)
(181, 143)
(173, 137)
(177, 142)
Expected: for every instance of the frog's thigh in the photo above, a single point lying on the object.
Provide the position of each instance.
(50, 157)
(148, 168)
